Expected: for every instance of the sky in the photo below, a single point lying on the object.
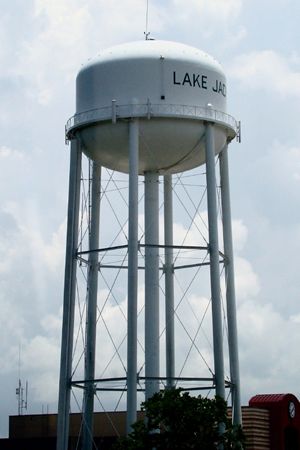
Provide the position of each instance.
(43, 44)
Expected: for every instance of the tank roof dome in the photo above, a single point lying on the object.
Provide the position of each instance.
(153, 49)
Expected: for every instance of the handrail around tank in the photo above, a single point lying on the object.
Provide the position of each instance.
(149, 110)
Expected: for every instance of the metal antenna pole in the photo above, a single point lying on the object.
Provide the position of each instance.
(132, 274)
(91, 320)
(214, 260)
(146, 33)
(19, 396)
(169, 280)
(230, 288)
(151, 284)
(19, 388)
(69, 298)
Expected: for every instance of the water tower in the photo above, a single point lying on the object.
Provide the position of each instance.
(149, 109)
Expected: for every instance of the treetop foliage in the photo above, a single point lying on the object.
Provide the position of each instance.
(175, 420)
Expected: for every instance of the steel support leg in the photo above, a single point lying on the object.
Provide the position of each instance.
(151, 284)
(69, 298)
(214, 260)
(230, 288)
(169, 280)
(91, 314)
(132, 274)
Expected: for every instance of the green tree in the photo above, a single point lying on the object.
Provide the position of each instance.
(174, 420)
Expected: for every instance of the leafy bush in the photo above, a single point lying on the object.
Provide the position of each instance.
(174, 420)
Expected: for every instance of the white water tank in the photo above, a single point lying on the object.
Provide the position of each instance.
(172, 88)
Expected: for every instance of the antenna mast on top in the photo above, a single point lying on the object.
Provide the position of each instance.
(21, 395)
(147, 33)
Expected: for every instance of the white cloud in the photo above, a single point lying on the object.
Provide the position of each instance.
(116, 17)
(210, 12)
(31, 289)
(48, 254)
(295, 318)
(68, 33)
(267, 70)
(55, 250)
(246, 280)
(285, 162)
(235, 37)
(277, 178)
(52, 324)
(267, 341)
(43, 389)
(41, 354)
(40, 357)
(12, 328)
(47, 58)
(239, 233)
(9, 153)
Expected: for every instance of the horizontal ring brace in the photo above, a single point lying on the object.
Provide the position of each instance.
(177, 247)
(188, 266)
(104, 249)
(198, 388)
(118, 267)
(109, 380)
(99, 380)
(120, 247)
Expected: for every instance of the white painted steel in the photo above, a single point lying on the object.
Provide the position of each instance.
(171, 87)
(150, 108)
(145, 70)
(169, 281)
(91, 322)
(151, 284)
(166, 145)
(214, 266)
(230, 289)
(132, 285)
(69, 298)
